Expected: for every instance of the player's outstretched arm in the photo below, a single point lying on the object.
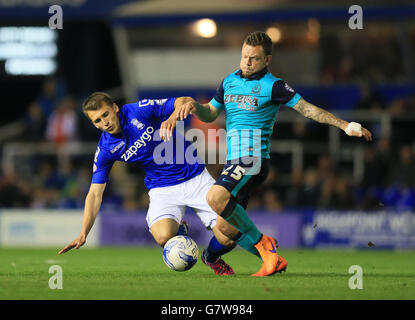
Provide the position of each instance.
(184, 106)
(205, 112)
(92, 204)
(320, 115)
(167, 127)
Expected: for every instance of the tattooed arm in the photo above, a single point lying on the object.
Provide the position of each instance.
(312, 112)
(315, 113)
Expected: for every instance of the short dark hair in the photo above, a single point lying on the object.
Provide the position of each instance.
(96, 100)
(260, 38)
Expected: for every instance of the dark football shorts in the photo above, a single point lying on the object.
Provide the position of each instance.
(241, 176)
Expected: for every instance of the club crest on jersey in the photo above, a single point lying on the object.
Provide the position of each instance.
(256, 89)
(139, 125)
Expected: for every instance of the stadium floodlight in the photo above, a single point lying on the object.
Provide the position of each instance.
(274, 33)
(205, 28)
(30, 66)
(28, 50)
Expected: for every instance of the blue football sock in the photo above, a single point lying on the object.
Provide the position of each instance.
(216, 249)
(182, 231)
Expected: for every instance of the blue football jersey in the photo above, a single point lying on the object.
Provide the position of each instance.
(251, 105)
(139, 142)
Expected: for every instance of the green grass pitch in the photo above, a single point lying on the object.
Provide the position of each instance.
(138, 273)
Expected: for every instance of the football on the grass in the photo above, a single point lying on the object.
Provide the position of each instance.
(180, 253)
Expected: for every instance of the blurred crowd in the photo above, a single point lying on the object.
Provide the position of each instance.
(370, 57)
(388, 183)
(56, 116)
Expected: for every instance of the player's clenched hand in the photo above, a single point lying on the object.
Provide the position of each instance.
(186, 109)
(355, 129)
(77, 243)
(367, 134)
(167, 127)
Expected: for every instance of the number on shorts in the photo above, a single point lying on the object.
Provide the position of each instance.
(237, 172)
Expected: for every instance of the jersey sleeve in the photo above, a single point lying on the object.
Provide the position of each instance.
(102, 166)
(155, 109)
(282, 93)
(218, 100)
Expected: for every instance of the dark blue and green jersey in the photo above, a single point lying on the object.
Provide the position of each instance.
(251, 105)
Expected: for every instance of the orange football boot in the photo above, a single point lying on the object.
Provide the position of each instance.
(267, 248)
(281, 265)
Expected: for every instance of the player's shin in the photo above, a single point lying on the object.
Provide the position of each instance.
(236, 215)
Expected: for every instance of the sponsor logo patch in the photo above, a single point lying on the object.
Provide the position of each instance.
(140, 142)
(117, 147)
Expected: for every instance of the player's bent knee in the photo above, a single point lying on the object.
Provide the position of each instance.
(161, 236)
(224, 240)
(227, 242)
(217, 198)
(220, 228)
(162, 239)
(163, 230)
(226, 229)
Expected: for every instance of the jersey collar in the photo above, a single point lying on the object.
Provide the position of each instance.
(256, 76)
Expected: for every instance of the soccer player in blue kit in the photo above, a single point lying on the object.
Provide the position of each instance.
(251, 98)
(134, 133)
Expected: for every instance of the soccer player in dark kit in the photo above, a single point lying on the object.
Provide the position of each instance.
(251, 98)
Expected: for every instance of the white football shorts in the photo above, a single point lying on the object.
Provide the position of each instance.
(171, 202)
